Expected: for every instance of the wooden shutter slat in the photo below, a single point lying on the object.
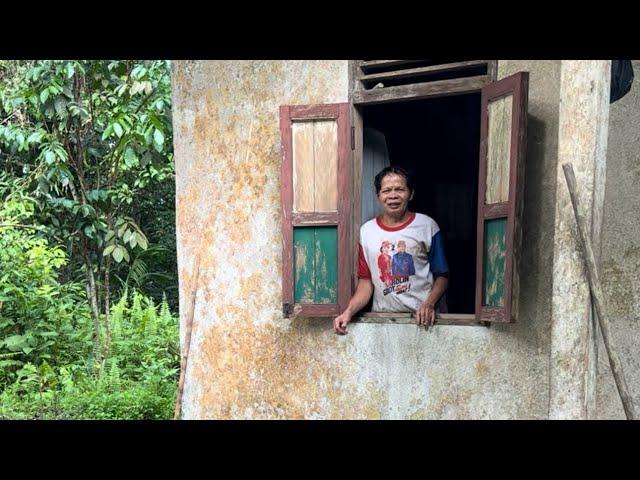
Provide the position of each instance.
(313, 218)
(345, 240)
(303, 166)
(325, 166)
(414, 72)
(386, 63)
(313, 112)
(498, 150)
(496, 210)
(286, 193)
(420, 90)
(315, 188)
(500, 197)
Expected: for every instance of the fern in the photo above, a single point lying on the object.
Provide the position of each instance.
(9, 354)
(165, 317)
(150, 318)
(137, 315)
(118, 312)
(139, 273)
(10, 363)
(114, 376)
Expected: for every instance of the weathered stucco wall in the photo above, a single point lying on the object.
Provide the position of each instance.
(620, 256)
(582, 134)
(246, 361)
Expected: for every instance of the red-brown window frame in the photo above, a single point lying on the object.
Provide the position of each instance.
(342, 218)
(517, 86)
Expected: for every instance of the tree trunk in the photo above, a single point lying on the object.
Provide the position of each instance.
(92, 290)
(92, 294)
(107, 306)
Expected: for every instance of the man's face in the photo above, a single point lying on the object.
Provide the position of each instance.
(394, 195)
(401, 247)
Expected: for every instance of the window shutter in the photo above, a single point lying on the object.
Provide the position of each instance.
(316, 199)
(500, 197)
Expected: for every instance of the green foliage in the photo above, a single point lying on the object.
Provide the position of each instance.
(41, 320)
(87, 215)
(137, 381)
(133, 401)
(86, 401)
(89, 140)
(144, 342)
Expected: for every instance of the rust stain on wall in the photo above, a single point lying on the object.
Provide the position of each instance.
(249, 371)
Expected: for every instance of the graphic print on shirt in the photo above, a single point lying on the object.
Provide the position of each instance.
(395, 266)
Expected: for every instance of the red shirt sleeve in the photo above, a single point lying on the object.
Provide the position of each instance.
(363, 268)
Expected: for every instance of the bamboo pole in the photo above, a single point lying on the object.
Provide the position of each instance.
(596, 294)
(187, 341)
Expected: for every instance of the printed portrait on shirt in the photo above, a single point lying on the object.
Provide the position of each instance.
(395, 266)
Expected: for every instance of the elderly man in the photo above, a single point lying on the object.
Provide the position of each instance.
(417, 278)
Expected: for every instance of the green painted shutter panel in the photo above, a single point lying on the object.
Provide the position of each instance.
(315, 251)
(500, 197)
(494, 262)
(326, 264)
(315, 189)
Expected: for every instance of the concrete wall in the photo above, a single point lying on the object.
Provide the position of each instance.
(620, 256)
(246, 361)
(582, 135)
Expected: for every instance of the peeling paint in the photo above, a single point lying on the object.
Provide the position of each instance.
(494, 268)
(281, 374)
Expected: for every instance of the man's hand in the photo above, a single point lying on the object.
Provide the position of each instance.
(340, 323)
(364, 290)
(426, 315)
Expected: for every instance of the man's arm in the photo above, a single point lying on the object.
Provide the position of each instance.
(426, 314)
(364, 290)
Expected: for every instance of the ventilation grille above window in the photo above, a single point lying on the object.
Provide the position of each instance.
(377, 81)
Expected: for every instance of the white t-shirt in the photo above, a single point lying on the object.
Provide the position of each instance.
(401, 261)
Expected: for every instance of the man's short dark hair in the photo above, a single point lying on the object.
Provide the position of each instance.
(398, 171)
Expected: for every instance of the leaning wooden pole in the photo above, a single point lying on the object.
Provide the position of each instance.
(596, 294)
(187, 342)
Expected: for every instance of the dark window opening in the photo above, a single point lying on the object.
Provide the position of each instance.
(438, 141)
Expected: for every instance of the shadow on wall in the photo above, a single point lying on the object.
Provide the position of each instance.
(536, 268)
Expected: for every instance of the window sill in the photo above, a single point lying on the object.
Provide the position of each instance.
(460, 319)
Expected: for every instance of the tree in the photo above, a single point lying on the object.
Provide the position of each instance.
(87, 138)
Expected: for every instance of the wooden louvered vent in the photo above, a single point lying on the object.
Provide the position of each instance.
(381, 81)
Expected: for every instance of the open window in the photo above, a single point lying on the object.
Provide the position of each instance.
(460, 132)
